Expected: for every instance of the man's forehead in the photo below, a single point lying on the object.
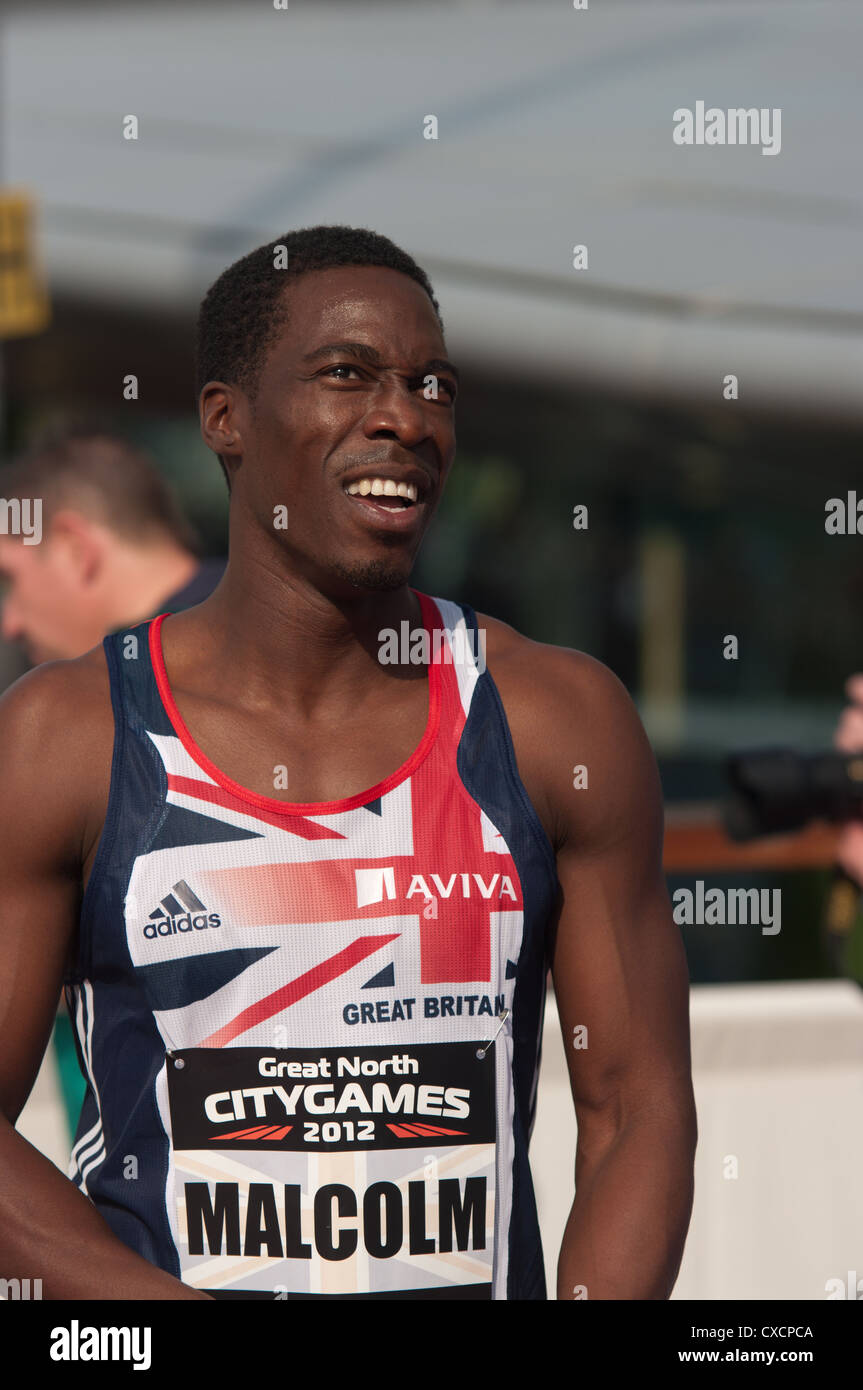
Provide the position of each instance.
(325, 303)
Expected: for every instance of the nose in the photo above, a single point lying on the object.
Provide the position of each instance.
(398, 413)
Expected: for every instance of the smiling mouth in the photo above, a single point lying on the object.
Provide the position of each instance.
(386, 492)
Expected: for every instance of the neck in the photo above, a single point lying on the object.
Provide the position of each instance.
(279, 638)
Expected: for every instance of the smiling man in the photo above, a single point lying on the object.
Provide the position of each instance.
(304, 898)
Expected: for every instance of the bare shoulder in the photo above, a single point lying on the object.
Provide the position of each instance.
(57, 698)
(562, 682)
(553, 665)
(571, 719)
(56, 743)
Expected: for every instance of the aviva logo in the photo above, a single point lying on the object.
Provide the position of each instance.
(180, 910)
(374, 885)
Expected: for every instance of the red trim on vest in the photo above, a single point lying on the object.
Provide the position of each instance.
(431, 620)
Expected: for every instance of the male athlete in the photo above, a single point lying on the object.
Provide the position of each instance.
(304, 896)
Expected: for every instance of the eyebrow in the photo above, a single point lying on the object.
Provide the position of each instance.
(372, 357)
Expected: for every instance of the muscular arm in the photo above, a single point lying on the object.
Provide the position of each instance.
(48, 1229)
(620, 977)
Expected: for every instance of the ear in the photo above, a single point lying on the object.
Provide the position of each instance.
(223, 411)
(78, 544)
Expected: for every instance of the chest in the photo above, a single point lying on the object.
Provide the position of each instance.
(320, 758)
(291, 760)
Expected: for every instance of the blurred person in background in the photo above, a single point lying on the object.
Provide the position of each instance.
(848, 738)
(115, 547)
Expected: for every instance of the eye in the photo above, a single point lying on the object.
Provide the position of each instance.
(340, 367)
(445, 384)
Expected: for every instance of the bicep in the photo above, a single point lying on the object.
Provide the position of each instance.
(39, 890)
(619, 966)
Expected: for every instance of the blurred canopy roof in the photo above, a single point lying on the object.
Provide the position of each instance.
(555, 128)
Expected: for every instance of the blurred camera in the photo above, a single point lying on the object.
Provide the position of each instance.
(775, 790)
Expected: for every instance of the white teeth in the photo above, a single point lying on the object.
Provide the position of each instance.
(383, 487)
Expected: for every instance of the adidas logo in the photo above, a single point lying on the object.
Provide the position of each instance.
(180, 910)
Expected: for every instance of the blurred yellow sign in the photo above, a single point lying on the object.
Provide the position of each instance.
(24, 306)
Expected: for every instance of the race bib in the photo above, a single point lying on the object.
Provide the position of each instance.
(364, 1172)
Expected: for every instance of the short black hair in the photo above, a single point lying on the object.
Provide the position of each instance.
(244, 309)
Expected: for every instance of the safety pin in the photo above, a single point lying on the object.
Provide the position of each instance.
(481, 1051)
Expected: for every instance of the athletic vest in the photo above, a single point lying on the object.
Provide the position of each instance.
(311, 1032)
